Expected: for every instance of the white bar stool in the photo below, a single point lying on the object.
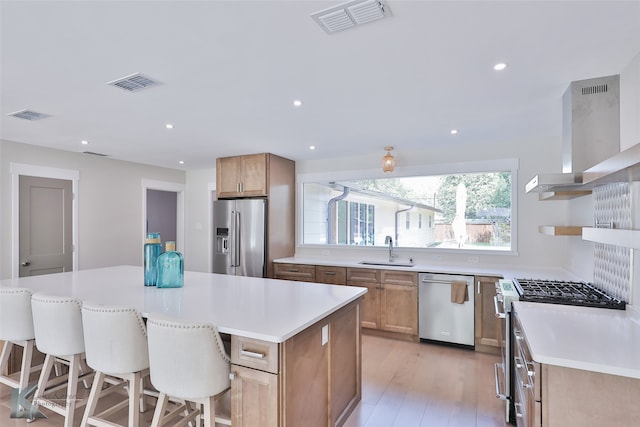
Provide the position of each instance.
(115, 340)
(188, 362)
(16, 328)
(57, 323)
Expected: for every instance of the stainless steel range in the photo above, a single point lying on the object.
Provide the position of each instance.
(543, 291)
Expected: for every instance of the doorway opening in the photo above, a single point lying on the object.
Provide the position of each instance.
(163, 211)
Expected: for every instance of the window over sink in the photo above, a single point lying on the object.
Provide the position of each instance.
(469, 208)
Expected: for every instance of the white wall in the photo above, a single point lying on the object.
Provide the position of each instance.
(109, 203)
(198, 226)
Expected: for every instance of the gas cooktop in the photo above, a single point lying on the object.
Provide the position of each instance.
(567, 293)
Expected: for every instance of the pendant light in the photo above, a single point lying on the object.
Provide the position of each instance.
(388, 161)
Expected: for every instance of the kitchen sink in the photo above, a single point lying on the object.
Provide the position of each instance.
(389, 263)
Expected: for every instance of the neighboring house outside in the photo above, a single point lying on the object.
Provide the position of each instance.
(347, 216)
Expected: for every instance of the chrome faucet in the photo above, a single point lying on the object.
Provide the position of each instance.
(389, 241)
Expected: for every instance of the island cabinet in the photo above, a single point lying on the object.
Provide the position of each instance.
(312, 379)
(487, 332)
(391, 301)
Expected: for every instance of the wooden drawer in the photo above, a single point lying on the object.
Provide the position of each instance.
(368, 275)
(254, 354)
(331, 275)
(301, 272)
(393, 277)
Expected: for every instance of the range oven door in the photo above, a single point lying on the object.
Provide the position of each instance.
(503, 368)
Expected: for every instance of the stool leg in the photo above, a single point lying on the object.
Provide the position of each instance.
(49, 361)
(135, 391)
(94, 396)
(72, 389)
(4, 360)
(209, 411)
(161, 408)
(27, 354)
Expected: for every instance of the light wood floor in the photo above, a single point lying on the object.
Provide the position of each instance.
(404, 385)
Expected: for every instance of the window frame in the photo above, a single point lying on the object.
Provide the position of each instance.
(482, 166)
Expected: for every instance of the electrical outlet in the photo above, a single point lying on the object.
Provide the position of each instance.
(325, 252)
(473, 259)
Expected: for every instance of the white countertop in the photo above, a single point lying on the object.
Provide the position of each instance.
(264, 309)
(592, 339)
(509, 272)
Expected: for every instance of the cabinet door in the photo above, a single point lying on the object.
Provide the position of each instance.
(399, 308)
(331, 275)
(254, 397)
(228, 177)
(253, 178)
(487, 329)
(367, 278)
(370, 317)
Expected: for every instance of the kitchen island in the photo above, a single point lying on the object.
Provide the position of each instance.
(295, 347)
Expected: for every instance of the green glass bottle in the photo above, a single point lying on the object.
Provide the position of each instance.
(170, 267)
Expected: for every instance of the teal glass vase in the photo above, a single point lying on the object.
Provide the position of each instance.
(152, 250)
(170, 267)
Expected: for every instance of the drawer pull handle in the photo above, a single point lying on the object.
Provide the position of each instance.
(293, 270)
(330, 273)
(252, 354)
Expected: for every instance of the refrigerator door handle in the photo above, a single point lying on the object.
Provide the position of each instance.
(233, 241)
(236, 261)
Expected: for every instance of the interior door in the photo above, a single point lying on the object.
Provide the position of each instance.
(45, 224)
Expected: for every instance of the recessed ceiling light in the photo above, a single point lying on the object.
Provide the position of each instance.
(83, 142)
(500, 66)
(312, 147)
(453, 131)
(181, 162)
(169, 126)
(297, 103)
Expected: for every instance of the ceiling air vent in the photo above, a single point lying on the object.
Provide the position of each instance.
(134, 82)
(28, 115)
(348, 15)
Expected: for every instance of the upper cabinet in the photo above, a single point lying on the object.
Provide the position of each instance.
(242, 176)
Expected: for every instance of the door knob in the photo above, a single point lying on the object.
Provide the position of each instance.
(25, 263)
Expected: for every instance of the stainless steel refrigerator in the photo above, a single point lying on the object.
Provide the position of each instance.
(240, 237)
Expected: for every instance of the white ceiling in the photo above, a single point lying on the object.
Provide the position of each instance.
(231, 69)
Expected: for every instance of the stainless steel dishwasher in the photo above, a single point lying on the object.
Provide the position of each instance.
(441, 319)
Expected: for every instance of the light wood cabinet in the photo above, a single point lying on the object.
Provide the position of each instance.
(391, 301)
(254, 398)
(312, 379)
(299, 272)
(399, 302)
(370, 279)
(331, 275)
(242, 176)
(487, 332)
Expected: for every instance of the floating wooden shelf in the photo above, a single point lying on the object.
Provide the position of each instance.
(613, 236)
(560, 230)
(562, 195)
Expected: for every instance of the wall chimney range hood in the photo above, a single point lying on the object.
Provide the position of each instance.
(590, 135)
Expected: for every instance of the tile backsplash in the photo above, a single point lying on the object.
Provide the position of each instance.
(613, 264)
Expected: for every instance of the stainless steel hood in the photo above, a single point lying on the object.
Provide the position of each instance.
(590, 132)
